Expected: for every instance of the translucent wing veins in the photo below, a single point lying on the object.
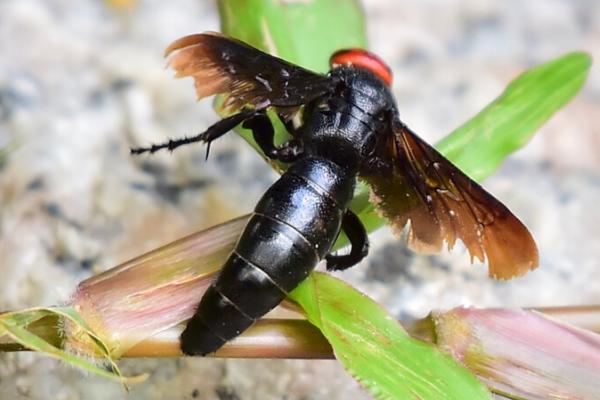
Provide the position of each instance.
(247, 75)
(442, 204)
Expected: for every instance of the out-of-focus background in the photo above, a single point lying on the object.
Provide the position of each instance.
(81, 82)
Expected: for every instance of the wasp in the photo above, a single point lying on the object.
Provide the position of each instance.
(349, 129)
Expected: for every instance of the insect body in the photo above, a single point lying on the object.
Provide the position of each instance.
(350, 129)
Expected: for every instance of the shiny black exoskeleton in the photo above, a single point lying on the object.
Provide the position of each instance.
(299, 218)
(350, 128)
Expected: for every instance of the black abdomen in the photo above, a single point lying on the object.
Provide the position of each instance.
(293, 227)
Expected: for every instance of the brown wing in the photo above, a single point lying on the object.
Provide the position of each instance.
(413, 182)
(249, 76)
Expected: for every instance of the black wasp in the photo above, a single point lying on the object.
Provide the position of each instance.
(350, 128)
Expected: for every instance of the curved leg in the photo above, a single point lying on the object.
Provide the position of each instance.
(263, 133)
(359, 240)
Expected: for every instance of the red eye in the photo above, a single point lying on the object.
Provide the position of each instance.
(362, 59)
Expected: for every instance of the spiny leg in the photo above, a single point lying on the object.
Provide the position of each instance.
(263, 133)
(359, 240)
(213, 132)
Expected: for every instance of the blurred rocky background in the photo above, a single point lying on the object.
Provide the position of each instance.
(81, 82)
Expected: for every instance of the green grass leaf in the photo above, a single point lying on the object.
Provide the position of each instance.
(302, 32)
(376, 350)
(480, 145)
(17, 325)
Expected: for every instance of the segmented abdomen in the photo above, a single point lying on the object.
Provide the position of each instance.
(293, 227)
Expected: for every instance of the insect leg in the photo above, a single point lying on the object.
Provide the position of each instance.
(263, 133)
(289, 125)
(359, 240)
(213, 132)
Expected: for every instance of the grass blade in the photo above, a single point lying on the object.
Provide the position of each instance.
(377, 351)
(15, 325)
(480, 145)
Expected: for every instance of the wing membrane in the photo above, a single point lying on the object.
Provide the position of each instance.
(415, 184)
(249, 76)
